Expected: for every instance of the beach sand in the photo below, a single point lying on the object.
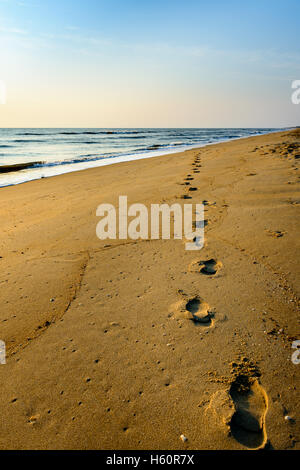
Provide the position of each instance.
(102, 349)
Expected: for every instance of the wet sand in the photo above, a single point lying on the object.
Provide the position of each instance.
(103, 350)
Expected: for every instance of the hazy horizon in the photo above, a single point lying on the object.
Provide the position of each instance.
(182, 127)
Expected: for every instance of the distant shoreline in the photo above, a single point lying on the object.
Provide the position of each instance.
(18, 173)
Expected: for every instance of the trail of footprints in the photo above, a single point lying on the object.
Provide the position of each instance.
(248, 400)
(189, 178)
(195, 308)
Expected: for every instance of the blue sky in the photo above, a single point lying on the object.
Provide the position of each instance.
(149, 63)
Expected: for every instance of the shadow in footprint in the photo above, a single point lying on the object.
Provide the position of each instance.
(199, 311)
(209, 267)
(248, 422)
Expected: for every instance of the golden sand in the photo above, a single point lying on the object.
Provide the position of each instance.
(102, 349)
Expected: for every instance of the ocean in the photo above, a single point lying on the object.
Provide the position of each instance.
(49, 152)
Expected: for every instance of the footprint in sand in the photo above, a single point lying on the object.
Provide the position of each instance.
(199, 311)
(194, 309)
(209, 267)
(251, 404)
(276, 233)
(205, 202)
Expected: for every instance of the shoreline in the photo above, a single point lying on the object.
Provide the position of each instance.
(103, 161)
(101, 349)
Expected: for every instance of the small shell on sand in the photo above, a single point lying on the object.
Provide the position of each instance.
(288, 418)
(183, 438)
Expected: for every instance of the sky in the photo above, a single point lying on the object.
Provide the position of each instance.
(149, 63)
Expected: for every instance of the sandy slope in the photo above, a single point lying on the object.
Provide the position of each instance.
(102, 349)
